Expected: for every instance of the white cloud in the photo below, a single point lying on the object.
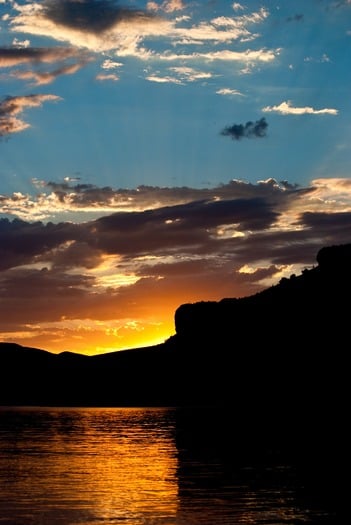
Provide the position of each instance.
(189, 74)
(20, 43)
(169, 6)
(248, 56)
(228, 92)
(110, 64)
(163, 80)
(109, 76)
(285, 108)
(152, 6)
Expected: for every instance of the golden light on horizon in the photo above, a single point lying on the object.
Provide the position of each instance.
(92, 337)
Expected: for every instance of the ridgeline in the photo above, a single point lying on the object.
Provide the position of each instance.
(279, 351)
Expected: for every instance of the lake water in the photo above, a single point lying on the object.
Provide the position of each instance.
(150, 466)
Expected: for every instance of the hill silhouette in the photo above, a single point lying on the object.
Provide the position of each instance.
(279, 351)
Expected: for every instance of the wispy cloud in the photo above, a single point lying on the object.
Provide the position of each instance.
(249, 130)
(11, 107)
(247, 57)
(180, 75)
(111, 64)
(41, 78)
(28, 63)
(169, 6)
(238, 7)
(229, 92)
(15, 56)
(163, 79)
(286, 108)
(107, 76)
(189, 74)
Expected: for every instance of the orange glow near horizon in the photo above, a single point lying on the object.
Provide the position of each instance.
(96, 336)
(145, 319)
(92, 337)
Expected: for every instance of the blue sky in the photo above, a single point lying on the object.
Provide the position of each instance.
(229, 121)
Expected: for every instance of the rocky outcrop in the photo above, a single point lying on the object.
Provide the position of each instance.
(310, 307)
(273, 356)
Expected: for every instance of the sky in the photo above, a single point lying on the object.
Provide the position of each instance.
(155, 153)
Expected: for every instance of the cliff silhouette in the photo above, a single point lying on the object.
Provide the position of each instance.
(279, 351)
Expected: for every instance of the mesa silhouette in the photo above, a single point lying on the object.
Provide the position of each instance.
(279, 351)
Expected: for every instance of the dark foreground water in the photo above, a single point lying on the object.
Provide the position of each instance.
(152, 467)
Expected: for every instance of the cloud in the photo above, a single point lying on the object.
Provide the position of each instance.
(238, 7)
(169, 6)
(109, 76)
(182, 74)
(189, 74)
(285, 108)
(43, 78)
(174, 245)
(229, 92)
(15, 56)
(31, 62)
(91, 15)
(111, 64)
(163, 79)
(90, 24)
(249, 130)
(84, 201)
(104, 26)
(20, 43)
(10, 107)
(247, 57)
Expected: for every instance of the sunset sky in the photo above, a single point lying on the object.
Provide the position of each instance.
(154, 153)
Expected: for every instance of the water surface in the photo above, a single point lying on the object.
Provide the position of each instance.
(146, 466)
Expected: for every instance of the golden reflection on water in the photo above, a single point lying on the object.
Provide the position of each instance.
(109, 465)
(137, 466)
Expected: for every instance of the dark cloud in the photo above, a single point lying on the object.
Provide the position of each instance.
(81, 195)
(240, 227)
(13, 56)
(175, 227)
(94, 16)
(336, 224)
(249, 130)
(32, 295)
(86, 194)
(22, 242)
(198, 214)
(190, 227)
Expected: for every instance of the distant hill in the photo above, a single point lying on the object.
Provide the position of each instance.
(279, 351)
